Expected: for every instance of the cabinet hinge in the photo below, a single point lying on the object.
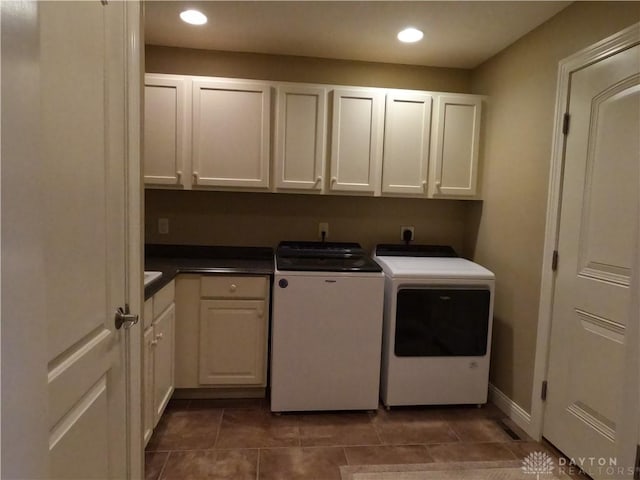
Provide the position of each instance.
(543, 391)
(554, 261)
(565, 123)
(636, 465)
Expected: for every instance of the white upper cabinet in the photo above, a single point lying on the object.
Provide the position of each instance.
(300, 133)
(456, 133)
(215, 133)
(356, 140)
(406, 143)
(230, 133)
(167, 105)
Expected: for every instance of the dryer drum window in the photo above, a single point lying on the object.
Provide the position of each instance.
(442, 322)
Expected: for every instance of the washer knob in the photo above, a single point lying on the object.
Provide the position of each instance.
(283, 283)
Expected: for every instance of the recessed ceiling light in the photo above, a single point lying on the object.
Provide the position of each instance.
(410, 35)
(193, 17)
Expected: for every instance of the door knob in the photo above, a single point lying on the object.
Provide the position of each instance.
(124, 318)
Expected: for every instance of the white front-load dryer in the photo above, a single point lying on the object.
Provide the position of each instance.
(438, 316)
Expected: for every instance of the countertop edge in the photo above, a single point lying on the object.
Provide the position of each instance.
(170, 272)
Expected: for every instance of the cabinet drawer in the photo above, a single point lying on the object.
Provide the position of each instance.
(224, 286)
(147, 317)
(164, 298)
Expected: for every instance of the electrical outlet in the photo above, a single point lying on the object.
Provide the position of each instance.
(405, 228)
(163, 226)
(323, 227)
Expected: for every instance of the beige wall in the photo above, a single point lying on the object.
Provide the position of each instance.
(506, 232)
(224, 218)
(231, 218)
(186, 61)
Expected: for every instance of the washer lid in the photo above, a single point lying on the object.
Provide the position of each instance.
(433, 267)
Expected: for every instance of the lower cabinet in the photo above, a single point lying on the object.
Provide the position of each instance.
(159, 357)
(232, 342)
(221, 341)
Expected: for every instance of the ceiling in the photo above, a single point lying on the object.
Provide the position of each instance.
(457, 34)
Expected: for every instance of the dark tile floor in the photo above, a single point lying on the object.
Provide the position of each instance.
(242, 439)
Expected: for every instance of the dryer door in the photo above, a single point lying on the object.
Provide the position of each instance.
(442, 322)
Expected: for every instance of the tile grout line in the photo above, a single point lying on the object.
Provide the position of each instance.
(164, 466)
(258, 465)
(215, 442)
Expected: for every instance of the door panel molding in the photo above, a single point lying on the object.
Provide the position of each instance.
(610, 46)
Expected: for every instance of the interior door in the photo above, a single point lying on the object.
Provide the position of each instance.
(596, 245)
(83, 69)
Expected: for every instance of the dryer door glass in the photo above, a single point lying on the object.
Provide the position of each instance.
(442, 322)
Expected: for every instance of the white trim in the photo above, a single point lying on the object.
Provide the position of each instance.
(513, 411)
(134, 232)
(605, 48)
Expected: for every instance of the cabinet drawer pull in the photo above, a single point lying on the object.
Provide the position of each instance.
(233, 287)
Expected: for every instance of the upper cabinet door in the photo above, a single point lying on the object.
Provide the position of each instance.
(230, 133)
(166, 125)
(301, 119)
(455, 149)
(356, 141)
(406, 143)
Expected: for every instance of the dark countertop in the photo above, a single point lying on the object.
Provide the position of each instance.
(174, 259)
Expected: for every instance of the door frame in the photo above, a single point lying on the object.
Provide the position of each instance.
(592, 54)
(134, 205)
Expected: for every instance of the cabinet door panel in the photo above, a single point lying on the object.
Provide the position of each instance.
(163, 360)
(233, 342)
(300, 138)
(166, 123)
(406, 143)
(356, 141)
(457, 133)
(231, 134)
(149, 402)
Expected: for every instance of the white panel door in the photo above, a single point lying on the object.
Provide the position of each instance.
(407, 132)
(167, 123)
(456, 136)
(356, 141)
(233, 342)
(83, 73)
(301, 123)
(231, 133)
(596, 246)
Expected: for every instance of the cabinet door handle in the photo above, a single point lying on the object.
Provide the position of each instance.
(153, 343)
(195, 177)
(318, 180)
(160, 335)
(424, 185)
(438, 183)
(333, 181)
(179, 177)
(260, 313)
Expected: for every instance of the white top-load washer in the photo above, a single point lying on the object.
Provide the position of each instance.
(326, 328)
(437, 326)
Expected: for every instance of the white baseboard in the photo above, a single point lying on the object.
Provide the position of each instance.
(515, 412)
